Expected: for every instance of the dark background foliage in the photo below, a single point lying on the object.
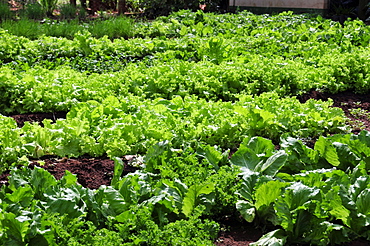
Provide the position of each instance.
(156, 8)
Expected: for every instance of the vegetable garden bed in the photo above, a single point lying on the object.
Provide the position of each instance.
(196, 122)
(94, 172)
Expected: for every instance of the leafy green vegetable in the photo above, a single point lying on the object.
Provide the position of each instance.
(273, 238)
(210, 103)
(258, 156)
(194, 195)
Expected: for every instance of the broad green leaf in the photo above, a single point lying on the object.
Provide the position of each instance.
(169, 195)
(118, 170)
(41, 180)
(247, 188)
(245, 158)
(19, 177)
(364, 136)
(357, 146)
(135, 188)
(23, 195)
(363, 202)
(175, 193)
(327, 151)
(314, 178)
(66, 201)
(261, 146)
(335, 234)
(125, 217)
(207, 30)
(241, 110)
(68, 179)
(39, 240)
(129, 189)
(199, 28)
(115, 200)
(274, 163)
(284, 216)
(246, 209)
(360, 184)
(211, 154)
(303, 222)
(345, 155)
(267, 193)
(273, 238)
(298, 152)
(78, 126)
(265, 115)
(336, 207)
(298, 194)
(72, 148)
(192, 197)
(183, 31)
(155, 153)
(17, 227)
(173, 199)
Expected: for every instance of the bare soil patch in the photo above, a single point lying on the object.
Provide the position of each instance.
(38, 117)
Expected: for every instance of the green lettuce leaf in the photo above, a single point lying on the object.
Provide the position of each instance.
(327, 151)
(273, 238)
(194, 195)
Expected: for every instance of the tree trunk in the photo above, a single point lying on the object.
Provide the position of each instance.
(83, 4)
(362, 6)
(73, 2)
(121, 7)
(94, 6)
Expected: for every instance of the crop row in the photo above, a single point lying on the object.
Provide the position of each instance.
(42, 90)
(320, 206)
(172, 197)
(243, 32)
(182, 23)
(131, 126)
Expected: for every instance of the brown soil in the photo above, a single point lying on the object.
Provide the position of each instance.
(93, 172)
(37, 117)
(236, 232)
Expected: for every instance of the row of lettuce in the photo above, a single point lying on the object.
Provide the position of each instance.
(212, 56)
(300, 27)
(39, 89)
(176, 195)
(118, 127)
(195, 36)
(206, 104)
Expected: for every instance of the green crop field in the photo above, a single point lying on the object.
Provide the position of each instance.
(208, 105)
